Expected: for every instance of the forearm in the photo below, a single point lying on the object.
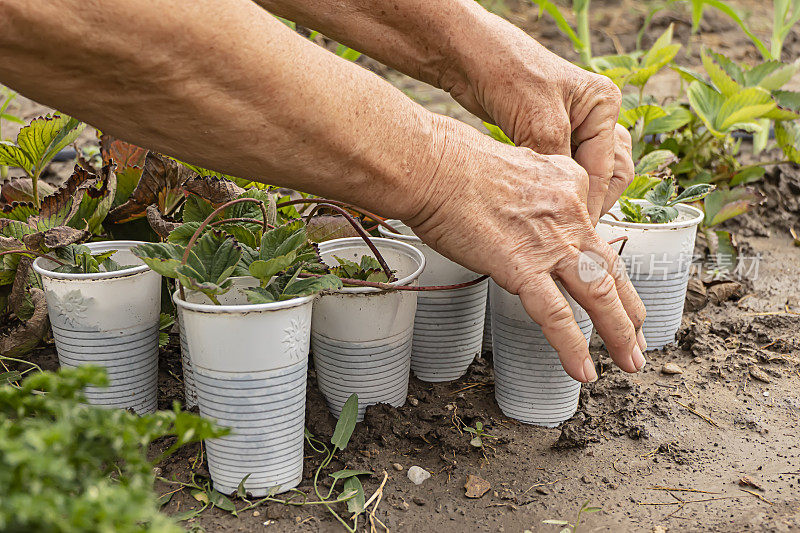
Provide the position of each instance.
(431, 40)
(223, 84)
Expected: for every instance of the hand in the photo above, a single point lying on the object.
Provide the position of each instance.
(521, 217)
(547, 104)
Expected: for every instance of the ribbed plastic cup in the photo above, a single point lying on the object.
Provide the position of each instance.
(109, 319)
(361, 337)
(190, 393)
(448, 326)
(249, 366)
(487, 327)
(530, 384)
(658, 258)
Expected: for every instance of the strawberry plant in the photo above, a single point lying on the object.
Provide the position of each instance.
(661, 202)
(368, 269)
(36, 145)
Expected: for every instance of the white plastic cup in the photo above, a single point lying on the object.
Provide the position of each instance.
(448, 326)
(108, 319)
(190, 392)
(249, 365)
(658, 258)
(360, 336)
(487, 326)
(530, 384)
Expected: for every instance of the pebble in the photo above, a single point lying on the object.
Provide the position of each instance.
(256, 513)
(671, 369)
(397, 466)
(419, 501)
(413, 401)
(418, 474)
(759, 374)
(543, 491)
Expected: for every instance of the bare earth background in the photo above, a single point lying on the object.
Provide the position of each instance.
(633, 435)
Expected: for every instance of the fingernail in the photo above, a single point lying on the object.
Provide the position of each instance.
(588, 370)
(638, 358)
(640, 340)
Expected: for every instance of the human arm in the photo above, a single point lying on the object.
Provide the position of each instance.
(225, 85)
(495, 71)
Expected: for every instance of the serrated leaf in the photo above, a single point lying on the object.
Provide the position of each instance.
(259, 295)
(264, 270)
(213, 190)
(309, 286)
(12, 156)
(661, 193)
(693, 193)
(346, 423)
(787, 135)
(647, 113)
(748, 175)
(746, 105)
(327, 227)
(45, 136)
(21, 190)
(640, 185)
(660, 214)
(706, 103)
(719, 77)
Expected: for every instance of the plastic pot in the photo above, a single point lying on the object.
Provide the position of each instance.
(530, 384)
(190, 392)
(360, 336)
(658, 258)
(249, 366)
(448, 326)
(487, 326)
(108, 319)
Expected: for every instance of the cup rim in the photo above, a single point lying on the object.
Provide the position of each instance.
(696, 217)
(101, 246)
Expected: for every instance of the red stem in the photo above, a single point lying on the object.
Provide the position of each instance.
(205, 223)
(37, 254)
(624, 240)
(364, 235)
(369, 214)
(251, 220)
(389, 287)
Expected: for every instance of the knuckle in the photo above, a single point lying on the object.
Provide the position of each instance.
(603, 290)
(558, 314)
(624, 135)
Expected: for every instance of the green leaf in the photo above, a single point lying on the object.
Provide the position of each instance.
(220, 500)
(660, 214)
(787, 135)
(264, 270)
(724, 204)
(721, 80)
(218, 255)
(259, 295)
(344, 474)
(45, 136)
(12, 156)
(346, 423)
(163, 258)
(697, 14)
(647, 113)
(10, 377)
(347, 53)
(309, 286)
(561, 22)
(730, 67)
(640, 185)
(693, 193)
(631, 211)
(788, 100)
(746, 105)
(183, 233)
(356, 503)
(722, 248)
(772, 75)
(497, 134)
(706, 103)
(661, 193)
(748, 175)
(655, 160)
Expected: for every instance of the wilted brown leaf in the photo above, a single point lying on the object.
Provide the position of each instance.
(696, 297)
(21, 190)
(476, 486)
(160, 184)
(720, 292)
(214, 190)
(327, 227)
(122, 153)
(25, 337)
(161, 224)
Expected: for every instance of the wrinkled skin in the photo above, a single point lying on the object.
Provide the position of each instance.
(521, 217)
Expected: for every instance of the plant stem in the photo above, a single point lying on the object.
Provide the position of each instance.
(364, 235)
(705, 137)
(373, 216)
(583, 31)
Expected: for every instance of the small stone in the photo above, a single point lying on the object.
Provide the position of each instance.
(418, 474)
(586, 479)
(659, 529)
(397, 466)
(671, 369)
(759, 374)
(157, 471)
(449, 407)
(543, 491)
(413, 401)
(256, 513)
(697, 360)
(419, 501)
(476, 486)
(766, 394)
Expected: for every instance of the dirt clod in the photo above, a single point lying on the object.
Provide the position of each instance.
(759, 374)
(671, 369)
(476, 486)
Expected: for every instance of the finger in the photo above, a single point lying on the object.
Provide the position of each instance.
(623, 168)
(595, 140)
(546, 135)
(549, 308)
(587, 277)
